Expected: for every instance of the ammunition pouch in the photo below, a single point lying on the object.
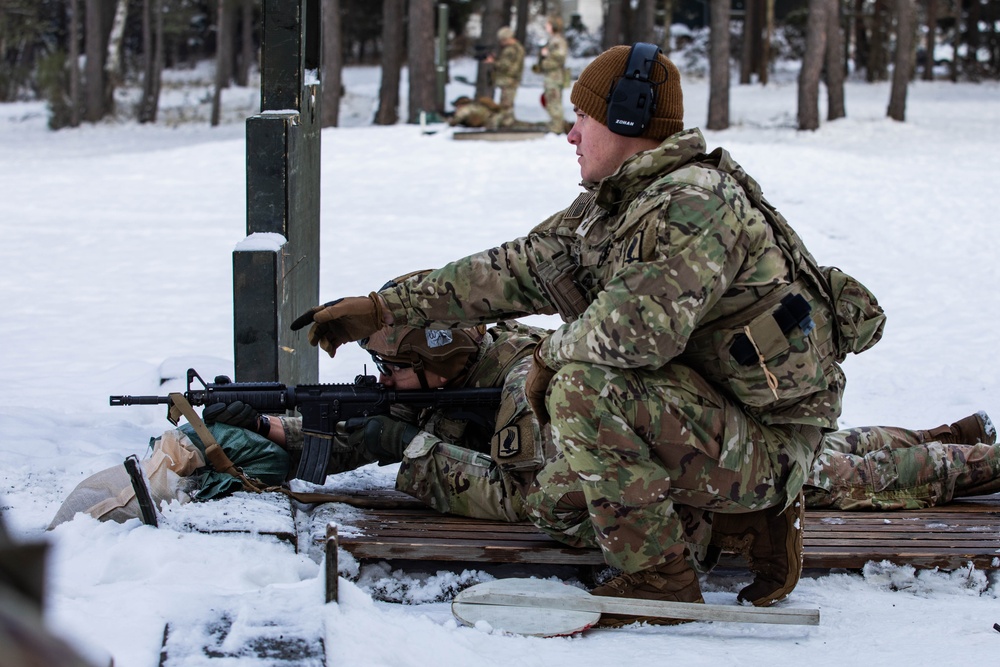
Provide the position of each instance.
(558, 276)
(779, 348)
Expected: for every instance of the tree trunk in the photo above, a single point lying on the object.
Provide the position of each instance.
(765, 51)
(393, 18)
(420, 56)
(644, 22)
(245, 55)
(74, 63)
(973, 42)
(718, 66)
(812, 65)
(878, 62)
(955, 43)
(152, 49)
(222, 51)
(113, 63)
(612, 24)
(331, 80)
(750, 53)
(834, 63)
(144, 113)
(906, 21)
(861, 44)
(94, 67)
(487, 43)
(928, 74)
(668, 22)
(521, 29)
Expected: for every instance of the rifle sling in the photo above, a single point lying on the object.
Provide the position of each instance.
(221, 463)
(214, 454)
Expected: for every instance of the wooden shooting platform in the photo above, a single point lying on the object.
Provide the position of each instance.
(392, 526)
(510, 134)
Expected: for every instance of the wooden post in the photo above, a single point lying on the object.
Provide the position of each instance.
(275, 282)
(332, 562)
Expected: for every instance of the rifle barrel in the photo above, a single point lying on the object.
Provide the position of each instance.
(140, 400)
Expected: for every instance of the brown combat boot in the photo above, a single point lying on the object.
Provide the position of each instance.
(969, 430)
(673, 581)
(771, 542)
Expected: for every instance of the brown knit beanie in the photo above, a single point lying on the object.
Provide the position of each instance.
(590, 92)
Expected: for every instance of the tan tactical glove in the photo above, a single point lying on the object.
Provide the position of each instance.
(535, 384)
(342, 321)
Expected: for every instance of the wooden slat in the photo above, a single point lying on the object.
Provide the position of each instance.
(947, 537)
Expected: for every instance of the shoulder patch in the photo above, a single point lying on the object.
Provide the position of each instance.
(633, 250)
(506, 443)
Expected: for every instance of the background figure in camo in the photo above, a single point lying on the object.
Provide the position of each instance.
(508, 67)
(552, 66)
(481, 112)
(666, 271)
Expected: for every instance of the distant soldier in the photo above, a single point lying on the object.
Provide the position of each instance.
(481, 112)
(552, 64)
(507, 70)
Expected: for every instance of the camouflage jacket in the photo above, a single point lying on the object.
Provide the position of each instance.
(509, 66)
(663, 248)
(497, 365)
(553, 64)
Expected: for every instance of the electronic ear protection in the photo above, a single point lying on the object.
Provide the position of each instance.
(632, 99)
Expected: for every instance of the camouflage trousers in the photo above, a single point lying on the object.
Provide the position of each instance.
(456, 480)
(888, 468)
(640, 463)
(505, 117)
(553, 96)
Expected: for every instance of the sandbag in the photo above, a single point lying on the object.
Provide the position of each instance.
(176, 470)
(108, 495)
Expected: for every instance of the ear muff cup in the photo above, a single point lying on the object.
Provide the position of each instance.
(632, 99)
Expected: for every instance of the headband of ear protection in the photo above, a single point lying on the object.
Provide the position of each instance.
(632, 99)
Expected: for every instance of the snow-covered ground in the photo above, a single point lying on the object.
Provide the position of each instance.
(117, 272)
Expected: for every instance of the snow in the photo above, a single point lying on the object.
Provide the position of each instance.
(117, 272)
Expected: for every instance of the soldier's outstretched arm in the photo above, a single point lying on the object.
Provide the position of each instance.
(343, 321)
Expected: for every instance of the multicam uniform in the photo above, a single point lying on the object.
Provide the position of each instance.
(459, 466)
(889, 468)
(477, 113)
(653, 420)
(553, 69)
(507, 71)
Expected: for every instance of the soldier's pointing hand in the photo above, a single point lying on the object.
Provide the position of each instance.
(342, 321)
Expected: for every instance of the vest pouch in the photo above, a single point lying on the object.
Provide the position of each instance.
(860, 320)
(764, 357)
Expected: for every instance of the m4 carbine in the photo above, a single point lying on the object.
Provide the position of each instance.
(324, 406)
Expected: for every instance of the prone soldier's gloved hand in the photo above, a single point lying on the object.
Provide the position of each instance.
(535, 385)
(341, 321)
(236, 413)
(383, 439)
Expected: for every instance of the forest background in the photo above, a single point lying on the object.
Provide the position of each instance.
(76, 54)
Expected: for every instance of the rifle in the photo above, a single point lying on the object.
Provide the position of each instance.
(324, 406)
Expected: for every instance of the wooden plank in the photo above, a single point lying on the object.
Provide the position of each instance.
(242, 512)
(948, 537)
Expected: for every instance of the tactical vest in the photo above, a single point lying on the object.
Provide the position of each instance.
(774, 352)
